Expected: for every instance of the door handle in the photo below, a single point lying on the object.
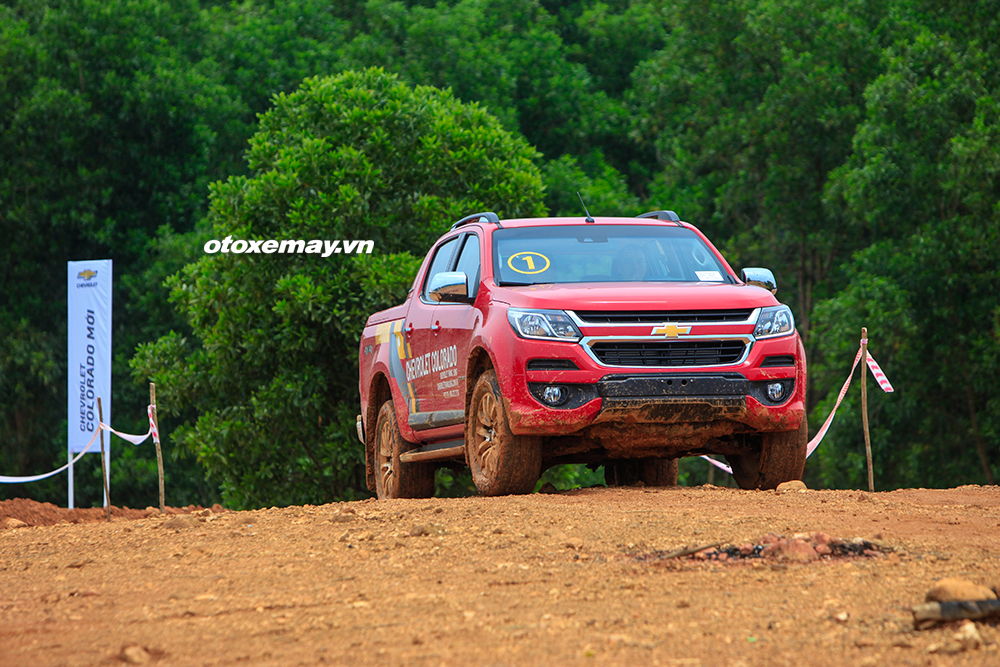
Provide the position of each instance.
(436, 327)
(409, 329)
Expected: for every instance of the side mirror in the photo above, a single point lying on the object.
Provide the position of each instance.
(449, 286)
(761, 278)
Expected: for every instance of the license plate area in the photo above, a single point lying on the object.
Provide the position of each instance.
(673, 385)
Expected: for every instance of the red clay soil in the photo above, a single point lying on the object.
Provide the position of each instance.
(590, 577)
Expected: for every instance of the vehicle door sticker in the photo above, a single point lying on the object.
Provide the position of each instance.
(431, 362)
(529, 262)
(398, 354)
(403, 350)
(382, 332)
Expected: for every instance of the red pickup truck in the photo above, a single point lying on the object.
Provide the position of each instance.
(622, 342)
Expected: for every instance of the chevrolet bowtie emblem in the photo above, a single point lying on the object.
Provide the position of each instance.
(670, 330)
(86, 274)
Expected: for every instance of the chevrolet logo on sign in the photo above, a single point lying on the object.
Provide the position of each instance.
(86, 274)
(670, 330)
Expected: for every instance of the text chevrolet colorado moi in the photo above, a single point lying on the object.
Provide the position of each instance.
(622, 342)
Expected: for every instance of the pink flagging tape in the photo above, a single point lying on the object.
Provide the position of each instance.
(152, 425)
(880, 377)
(718, 464)
(814, 443)
(137, 439)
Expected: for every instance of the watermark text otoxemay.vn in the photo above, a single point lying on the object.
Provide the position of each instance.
(315, 247)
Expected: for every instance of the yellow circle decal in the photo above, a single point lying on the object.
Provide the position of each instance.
(526, 262)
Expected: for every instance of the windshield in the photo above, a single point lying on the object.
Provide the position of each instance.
(603, 253)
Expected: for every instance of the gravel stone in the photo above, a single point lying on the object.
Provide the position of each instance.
(794, 485)
(953, 588)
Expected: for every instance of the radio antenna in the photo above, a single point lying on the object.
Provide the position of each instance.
(588, 219)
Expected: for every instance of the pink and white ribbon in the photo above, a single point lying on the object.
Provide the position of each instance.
(718, 464)
(879, 376)
(138, 439)
(152, 424)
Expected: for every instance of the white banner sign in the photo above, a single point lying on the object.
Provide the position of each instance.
(89, 358)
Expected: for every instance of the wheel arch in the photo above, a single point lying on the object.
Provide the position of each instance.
(379, 393)
(478, 362)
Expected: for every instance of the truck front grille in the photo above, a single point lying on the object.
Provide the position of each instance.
(658, 317)
(670, 353)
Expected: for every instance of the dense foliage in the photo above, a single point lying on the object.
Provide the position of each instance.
(850, 146)
(274, 376)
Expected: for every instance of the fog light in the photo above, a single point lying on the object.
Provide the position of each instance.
(555, 394)
(775, 391)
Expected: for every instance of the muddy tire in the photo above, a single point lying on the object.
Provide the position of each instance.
(782, 458)
(394, 479)
(651, 472)
(501, 463)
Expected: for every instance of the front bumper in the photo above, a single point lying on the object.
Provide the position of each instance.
(733, 398)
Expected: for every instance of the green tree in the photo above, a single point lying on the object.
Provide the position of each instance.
(272, 367)
(263, 48)
(924, 183)
(109, 119)
(749, 107)
(605, 192)
(505, 54)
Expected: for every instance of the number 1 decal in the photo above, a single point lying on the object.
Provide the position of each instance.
(524, 262)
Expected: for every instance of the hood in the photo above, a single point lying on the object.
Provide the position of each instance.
(636, 296)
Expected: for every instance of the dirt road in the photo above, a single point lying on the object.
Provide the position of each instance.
(575, 578)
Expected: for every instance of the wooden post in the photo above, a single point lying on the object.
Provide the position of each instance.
(864, 406)
(104, 468)
(156, 441)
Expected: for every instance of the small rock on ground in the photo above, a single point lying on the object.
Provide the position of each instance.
(136, 655)
(952, 589)
(968, 636)
(794, 485)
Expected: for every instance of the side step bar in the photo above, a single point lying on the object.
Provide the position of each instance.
(433, 454)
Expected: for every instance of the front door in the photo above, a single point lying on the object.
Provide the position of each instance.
(458, 321)
(421, 331)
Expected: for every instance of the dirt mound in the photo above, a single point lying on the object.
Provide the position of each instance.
(34, 513)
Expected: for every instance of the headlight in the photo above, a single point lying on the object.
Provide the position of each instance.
(544, 324)
(774, 321)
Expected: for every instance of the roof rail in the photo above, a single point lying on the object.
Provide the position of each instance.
(488, 216)
(661, 215)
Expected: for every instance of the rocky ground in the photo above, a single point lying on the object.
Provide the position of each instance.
(587, 577)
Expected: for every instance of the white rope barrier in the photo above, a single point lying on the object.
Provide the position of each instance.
(134, 439)
(34, 478)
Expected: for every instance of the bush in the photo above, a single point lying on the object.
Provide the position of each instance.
(272, 370)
